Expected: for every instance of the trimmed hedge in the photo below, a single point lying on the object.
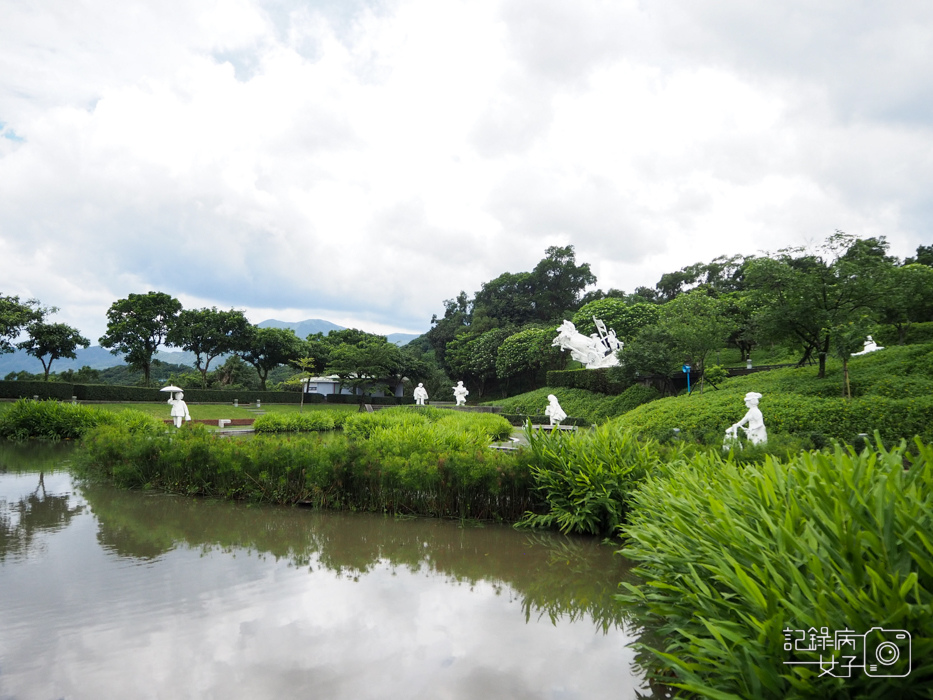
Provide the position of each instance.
(601, 381)
(371, 400)
(44, 390)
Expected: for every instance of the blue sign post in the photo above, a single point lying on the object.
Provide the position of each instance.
(686, 370)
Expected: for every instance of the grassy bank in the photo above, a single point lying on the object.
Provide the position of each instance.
(435, 463)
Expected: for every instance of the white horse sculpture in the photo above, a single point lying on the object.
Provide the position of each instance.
(592, 352)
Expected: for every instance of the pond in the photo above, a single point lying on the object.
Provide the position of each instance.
(107, 593)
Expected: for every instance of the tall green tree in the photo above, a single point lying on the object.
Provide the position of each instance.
(698, 324)
(366, 366)
(15, 315)
(527, 354)
(267, 348)
(458, 314)
(558, 284)
(209, 333)
(472, 358)
(138, 325)
(49, 341)
(803, 296)
(908, 298)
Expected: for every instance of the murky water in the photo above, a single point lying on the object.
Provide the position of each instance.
(114, 594)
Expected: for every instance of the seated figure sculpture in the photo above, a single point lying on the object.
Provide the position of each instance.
(420, 394)
(460, 394)
(554, 411)
(755, 432)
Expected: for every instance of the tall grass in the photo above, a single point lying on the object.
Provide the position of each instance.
(52, 420)
(733, 555)
(313, 421)
(397, 464)
(585, 480)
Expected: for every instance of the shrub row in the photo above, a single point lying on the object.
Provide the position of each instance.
(739, 561)
(601, 381)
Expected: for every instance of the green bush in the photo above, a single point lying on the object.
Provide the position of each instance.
(734, 557)
(585, 480)
(63, 421)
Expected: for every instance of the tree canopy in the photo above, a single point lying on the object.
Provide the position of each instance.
(138, 325)
(49, 341)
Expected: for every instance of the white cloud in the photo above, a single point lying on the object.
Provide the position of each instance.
(365, 161)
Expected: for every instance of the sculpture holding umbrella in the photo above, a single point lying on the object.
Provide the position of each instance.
(176, 401)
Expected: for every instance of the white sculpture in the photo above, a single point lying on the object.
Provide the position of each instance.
(870, 346)
(599, 350)
(179, 408)
(420, 394)
(460, 394)
(755, 432)
(553, 410)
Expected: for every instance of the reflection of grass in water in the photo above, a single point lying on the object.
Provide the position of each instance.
(31, 456)
(563, 578)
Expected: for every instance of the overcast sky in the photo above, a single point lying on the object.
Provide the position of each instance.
(363, 161)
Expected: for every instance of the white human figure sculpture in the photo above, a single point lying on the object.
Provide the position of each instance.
(755, 432)
(870, 346)
(460, 394)
(553, 410)
(420, 394)
(179, 408)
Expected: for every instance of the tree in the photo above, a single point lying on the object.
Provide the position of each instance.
(137, 326)
(801, 297)
(652, 353)
(508, 300)
(527, 353)
(366, 365)
(267, 348)
(15, 316)
(698, 324)
(50, 341)
(458, 314)
(209, 333)
(625, 319)
(473, 358)
(924, 256)
(558, 283)
(908, 298)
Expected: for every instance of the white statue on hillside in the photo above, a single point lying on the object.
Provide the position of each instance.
(460, 394)
(870, 346)
(554, 411)
(179, 408)
(598, 350)
(420, 394)
(755, 432)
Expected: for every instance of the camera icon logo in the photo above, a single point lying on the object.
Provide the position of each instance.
(887, 653)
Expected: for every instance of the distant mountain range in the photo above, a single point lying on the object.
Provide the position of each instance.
(97, 357)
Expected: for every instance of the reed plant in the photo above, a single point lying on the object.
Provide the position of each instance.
(585, 480)
(736, 558)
